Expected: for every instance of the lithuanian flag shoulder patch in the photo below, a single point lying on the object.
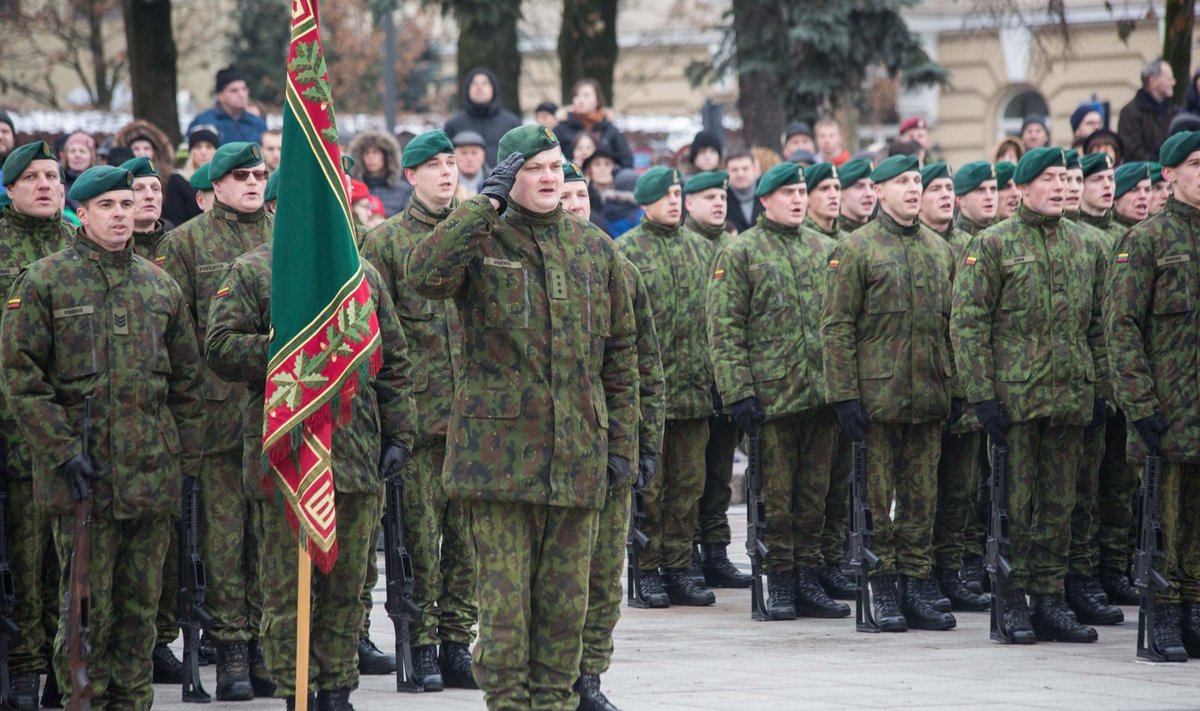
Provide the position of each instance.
(14, 303)
(1122, 257)
(835, 263)
(719, 273)
(222, 292)
(970, 260)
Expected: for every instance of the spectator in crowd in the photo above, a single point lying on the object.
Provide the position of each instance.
(1108, 142)
(230, 115)
(180, 202)
(1184, 121)
(907, 147)
(8, 139)
(802, 157)
(471, 158)
(766, 158)
(584, 148)
(797, 137)
(829, 142)
(272, 145)
(143, 139)
(743, 207)
(1143, 122)
(915, 129)
(360, 204)
(1087, 119)
(1035, 133)
(482, 113)
(589, 115)
(78, 153)
(705, 152)
(621, 211)
(546, 114)
(377, 163)
(600, 170)
(1008, 150)
(1191, 101)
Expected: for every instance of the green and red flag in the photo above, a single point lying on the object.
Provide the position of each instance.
(324, 334)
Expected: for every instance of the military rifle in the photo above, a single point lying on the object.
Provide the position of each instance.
(10, 633)
(995, 559)
(80, 591)
(637, 542)
(189, 599)
(400, 584)
(756, 525)
(862, 535)
(1148, 559)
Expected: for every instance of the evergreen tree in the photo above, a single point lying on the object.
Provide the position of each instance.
(259, 47)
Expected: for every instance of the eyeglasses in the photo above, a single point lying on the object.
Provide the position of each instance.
(241, 174)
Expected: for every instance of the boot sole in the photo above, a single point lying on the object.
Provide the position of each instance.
(938, 627)
(1104, 621)
(781, 616)
(683, 602)
(263, 688)
(728, 584)
(247, 695)
(823, 614)
(1043, 636)
(645, 605)
(900, 626)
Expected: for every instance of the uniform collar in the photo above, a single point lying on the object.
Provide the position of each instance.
(520, 216)
(945, 234)
(847, 225)
(1182, 209)
(774, 227)
(95, 253)
(422, 213)
(1037, 219)
(29, 223)
(968, 225)
(709, 232)
(1101, 221)
(833, 231)
(658, 228)
(890, 225)
(221, 211)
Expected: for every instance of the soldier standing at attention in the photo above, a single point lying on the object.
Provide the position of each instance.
(1160, 190)
(1027, 338)
(888, 369)
(675, 263)
(197, 254)
(1009, 195)
(1133, 193)
(975, 197)
(544, 416)
(763, 319)
(858, 199)
(1095, 208)
(95, 320)
(1074, 192)
(824, 201)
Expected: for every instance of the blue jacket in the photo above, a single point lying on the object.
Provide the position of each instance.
(246, 127)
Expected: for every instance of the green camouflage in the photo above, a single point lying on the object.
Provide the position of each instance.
(848, 225)
(969, 227)
(832, 235)
(672, 500)
(1111, 546)
(718, 478)
(957, 486)
(1082, 556)
(651, 405)
(1180, 501)
(902, 459)
(148, 245)
(798, 451)
(837, 505)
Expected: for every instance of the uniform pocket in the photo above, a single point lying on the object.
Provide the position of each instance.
(80, 346)
(1172, 288)
(1019, 283)
(886, 289)
(506, 285)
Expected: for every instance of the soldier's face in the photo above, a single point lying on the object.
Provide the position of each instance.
(825, 200)
(1046, 194)
(708, 206)
(538, 186)
(858, 200)
(742, 172)
(1010, 200)
(1074, 190)
(786, 205)
(1185, 180)
(979, 205)
(33, 193)
(1098, 192)
(937, 203)
(108, 219)
(272, 145)
(901, 196)
(1135, 204)
(147, 201)
(435, 180)
(667, 209)
(7, 139)
(469, 159)
(575, 199)
(1159, 193)
(241, 195)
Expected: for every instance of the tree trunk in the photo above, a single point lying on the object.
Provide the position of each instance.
(587, 44)
(152, 73)
(759, 100)
(487, 37)
(95, 17)
(1177, 43)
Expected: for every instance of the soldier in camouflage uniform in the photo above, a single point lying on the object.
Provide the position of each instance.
(30, 228)
(1132, 196)
(705, 196)
(1095, 207)
(96, 320)
(544, 417)
(1160, 189)
(1008, 195)
(1027, 339)
(857, 202)
(824, 201)
(197, 254)
(763, 321)
(436, 535)
(1151, 327)
(675, 262)
(203, 185)
(1073, 194)
(888, 369)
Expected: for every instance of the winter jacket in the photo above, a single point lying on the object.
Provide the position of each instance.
(1143, 125)
(490, 120)
(606, 135)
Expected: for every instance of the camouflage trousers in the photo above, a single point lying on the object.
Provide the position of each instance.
(902, 463)
(126, 579)
(673, 497)
(797, 452)
(837, 505)
(533, 564)
(1043, 466)
(1081, 557)
(35, 572)
(229, 545)
(371, 579)
(604, 582)
(1111, 547)
(1178, 504)
(957, 487)
(718, 478)
(166, 621)
(975, 535)
(336, 609)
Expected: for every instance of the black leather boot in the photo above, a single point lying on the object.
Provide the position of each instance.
(167, 668)
(25, 691)
(780, 602)
(426, 672)
(591, 698)
(334, 700)
(650, 587)
(233, 673)
(682, 589)
(887, 604)
(373, 661)
(1089, 608)
(972, 574)
(260, 676)
(719, 571)
(960, 596)
(1016, 618)
(835, 583)
(696, 569)
(918, 610)
(455, 660)
(290, 703)
(933, 595)
(1053, 621)
(208, 650)
(51, 696)
(1191, 628)
(1118, 587)
(1168, 632)
(811, 599)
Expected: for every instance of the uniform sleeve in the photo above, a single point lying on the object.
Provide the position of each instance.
(376, 250)
(184, 396)
(1095, 332)
(976, 292)
(176, 263)
(729, 297)
(619, 369)
(844, 281)
(437, 266)
(393, 384)
(651, 382)
(1129, 286)
(238, 337)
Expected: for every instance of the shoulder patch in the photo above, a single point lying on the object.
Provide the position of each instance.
(221, 293)
(160, 260)
(719, 273)
(1014, 261)
(14, 303)
(835, 263)
(1122, 257)
(970, 260)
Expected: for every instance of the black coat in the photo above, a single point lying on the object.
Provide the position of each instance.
(490, 120)
(733, 212)
(1143, 125)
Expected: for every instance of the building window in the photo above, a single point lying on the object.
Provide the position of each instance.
(1013, 110)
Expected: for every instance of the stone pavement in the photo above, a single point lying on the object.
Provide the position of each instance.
(717, 658)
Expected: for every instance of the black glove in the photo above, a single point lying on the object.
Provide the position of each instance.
(747, 414)
(853, 418)
(957, 405)
(619, 471)
(393, 459)
(716, 398)
(1099, 411)
(647, 467)
(995, 421)
(1152, 429)
(500, 182)
(77, 471)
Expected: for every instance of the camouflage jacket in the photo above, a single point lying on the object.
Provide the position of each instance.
(1151, 304)
(764, 318)
(885, 320)
(832, 235)
(1026, 318)
(958, 241)
(967, 226)
(197, 254)
(715, 237)
(651, 405)
(675, 263)
(239, 324)
(25, 240)
(432, 327)
(847, 225)
(549, 378)
(148, 245)
(111, 325)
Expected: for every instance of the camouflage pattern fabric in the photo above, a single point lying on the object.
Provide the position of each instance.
(833, 235)
(166, 624)
(672, 500)
(148, 245)
(1118, 480)
(1180, 499)
(371, 577)
(837, 505)
(1082, 556)
(651, 381)
(957, 487)
(604, 582)
(798, 450)
(718, 478)
(902, 459)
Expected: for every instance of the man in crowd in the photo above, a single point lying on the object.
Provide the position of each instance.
(857, 201)
(272, 145)
(1008, 193)
(230, 114)
(743, 208)
(1143, 122)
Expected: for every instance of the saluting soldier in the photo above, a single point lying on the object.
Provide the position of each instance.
(858, 201)
(824, 201)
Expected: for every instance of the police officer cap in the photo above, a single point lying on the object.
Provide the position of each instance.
(779, 176)
(971, 175)
(853, 171)
(934, 171)
(707, 180)
(99, 180)
(1036, 161)
(1156, 175)
(271, 192)
(528, 140)
(142, 167)
(231, 156)
(199, 179)
(654, 183)
(425, 146)
(20, 158)
(1128, 175)
(893, 166)
(572, 173)
(1174, 150)
(815, 173)
(1094, 163)
(1004, 173)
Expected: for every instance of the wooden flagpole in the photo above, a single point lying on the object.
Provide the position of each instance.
(303, 621)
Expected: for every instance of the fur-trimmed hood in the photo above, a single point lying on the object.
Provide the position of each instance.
(164, 155)
(384, 142)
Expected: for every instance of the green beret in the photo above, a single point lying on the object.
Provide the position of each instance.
(891, 167)
(20, 158)
(1036, 161)
(199, 179)
(271, 192)
(707, 180)
(572, 173)
(425, 146)
(932, 172)
(1072, 159)
(528, 140)
(779, 176)
(653, 184)
(853, 171)
(1156, 175)
(1173, 152)
(99, 180)
(971, 175)
(142, 167)
(815, 173)
(1128, 175)
(1004, 173)
(231, 156)
(1094, 163)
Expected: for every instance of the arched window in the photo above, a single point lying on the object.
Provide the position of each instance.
(1023, 102)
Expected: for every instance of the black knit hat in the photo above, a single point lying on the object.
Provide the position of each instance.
(705, 139)
(227, 76)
